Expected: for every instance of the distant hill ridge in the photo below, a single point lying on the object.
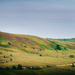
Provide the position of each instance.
(69, 40)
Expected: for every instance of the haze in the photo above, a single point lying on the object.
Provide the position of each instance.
(43, 18)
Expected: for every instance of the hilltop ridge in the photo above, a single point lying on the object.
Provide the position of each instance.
(33, 42)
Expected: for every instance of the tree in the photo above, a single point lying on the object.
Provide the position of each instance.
(58, 47)
(19, 67)
(14, 68)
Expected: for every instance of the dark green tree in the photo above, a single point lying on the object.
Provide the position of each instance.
(14, 67)
(58, 47)
(19, 67)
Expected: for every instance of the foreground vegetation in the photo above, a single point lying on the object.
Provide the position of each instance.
(44, 71)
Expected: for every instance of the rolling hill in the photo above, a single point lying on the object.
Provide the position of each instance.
(27, 50)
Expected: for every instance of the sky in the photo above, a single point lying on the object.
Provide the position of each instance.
(43, 18)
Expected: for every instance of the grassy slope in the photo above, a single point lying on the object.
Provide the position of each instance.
(28, 50)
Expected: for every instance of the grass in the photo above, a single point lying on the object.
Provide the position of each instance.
(2, 39)
(34, 51)
(43, 46)
(0, 52)
(6, 46)
(22, 49)
(27, 59)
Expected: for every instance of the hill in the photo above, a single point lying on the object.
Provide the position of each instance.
(68, 40)
(27, 50)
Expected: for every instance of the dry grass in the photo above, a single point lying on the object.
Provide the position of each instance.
(27, 56)
(27, 59)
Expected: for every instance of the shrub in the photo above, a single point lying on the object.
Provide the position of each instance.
(33, 47)
(72, 65)
(1, 68)
(14, 67)
(10, 59)
(40, 49)
(7, 68)
(47, 66)
(6, 61)
(65, 48)
(19, 67)
(28, 67)
(71, 56)
(36, 68)
(9, 43)
(10, 54)
(4, 56)
(25, 46)
(40, 54)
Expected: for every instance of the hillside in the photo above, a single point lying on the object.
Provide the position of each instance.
(28, 50)
(32, 42)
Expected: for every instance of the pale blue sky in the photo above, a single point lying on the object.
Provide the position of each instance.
(43, 18)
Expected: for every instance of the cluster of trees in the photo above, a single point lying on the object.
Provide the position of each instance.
(19, 67)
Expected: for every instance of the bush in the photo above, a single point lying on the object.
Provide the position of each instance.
(25, 46)
(10, 54)
(28, 67)
(7, 68)
(19, 67)
(40, 54)
(1, 68)
(14, 67)
(41, 49)
(6, 61)
(72, 65)
(36, 68)
(9, 43)
(71, 56)
(65, 48)
(49, 66)
(33, 47)
(10, 59)
(4, 56)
